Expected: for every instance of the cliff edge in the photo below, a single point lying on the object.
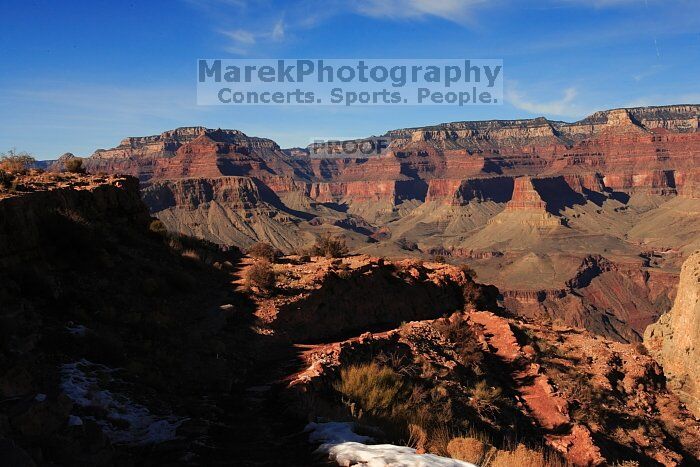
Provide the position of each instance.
(675, 339)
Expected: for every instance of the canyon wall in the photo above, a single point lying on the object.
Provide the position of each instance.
(523, 202)
(674, 340)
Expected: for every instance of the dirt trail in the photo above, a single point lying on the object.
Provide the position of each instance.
(550, 410)
(534, 388)
(256, 426)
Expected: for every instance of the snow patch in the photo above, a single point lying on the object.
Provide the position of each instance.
(74, 421)
(122, 420)
(76, 329)
(334, 433)
(342, 445)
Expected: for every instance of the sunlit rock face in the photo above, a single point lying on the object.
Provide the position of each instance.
(675, 339)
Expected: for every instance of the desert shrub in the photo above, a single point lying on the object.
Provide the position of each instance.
(6, 180)
(330, 246)
(641, 349)
(261, 275)
(16, 162)
(467, 347)
(157, 227)
(343, 271)
(439, 259)
(467, 271)
(74, 165)
(521, 456)
(482, 297)
(470, 450)
(485, 398)
(265, 251)
(374, 388)
(456, 329)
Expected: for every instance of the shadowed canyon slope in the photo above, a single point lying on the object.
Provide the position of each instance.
(587, 222)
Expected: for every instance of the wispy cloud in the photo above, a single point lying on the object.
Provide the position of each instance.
(565, 106)
(259, 24)
(254, 25)
(242, 40)
(452, 10)
(646, 73)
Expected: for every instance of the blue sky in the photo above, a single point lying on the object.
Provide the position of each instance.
(81, 75)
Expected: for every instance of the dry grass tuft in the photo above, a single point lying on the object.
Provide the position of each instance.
(485, 398)
(522, 457)
(191, 254)
(470, 450)
(375, 389)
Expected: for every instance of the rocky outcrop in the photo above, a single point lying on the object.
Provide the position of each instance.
(570, 390)
(675, 339)
(75, 198)
(324, 296)
(225, 210)
(615, 300)
(59, 165)
(191, 152)
(525, 197)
